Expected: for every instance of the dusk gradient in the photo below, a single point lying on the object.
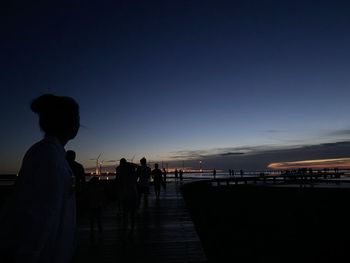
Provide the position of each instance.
(237, 84)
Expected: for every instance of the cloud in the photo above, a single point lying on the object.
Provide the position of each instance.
(255, 158)
(231, 153)
(342, 132)
(260, 156)
(341, 163)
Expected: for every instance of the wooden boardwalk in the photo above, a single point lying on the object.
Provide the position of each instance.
(164, 233)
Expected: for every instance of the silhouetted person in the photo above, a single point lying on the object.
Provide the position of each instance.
(143, 176)
(229, 172)
(181, 175)
(38, 223)
(78, 171)
(164, 178)
(176, 174)
(241, 172)
(214, 173)
(79, 179)
(157, 180)
(128, 194)
(95, 199)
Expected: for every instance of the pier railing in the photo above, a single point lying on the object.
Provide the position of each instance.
(282, 218)
(283, 179)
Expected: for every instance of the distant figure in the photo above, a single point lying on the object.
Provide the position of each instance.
(229, 172)
(181, 175)
(143, 176)
(176, 174)
(214, 173)
(164, 178)
(233, 173)
(241, 172)
(38, 223)
(78, 171)
(157, 180)
(128, 194)
(79, 179)
(95, 201)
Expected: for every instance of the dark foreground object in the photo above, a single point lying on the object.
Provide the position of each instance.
(271, 223)
(164, 233)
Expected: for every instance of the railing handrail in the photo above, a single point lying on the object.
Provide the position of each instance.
(290, 179)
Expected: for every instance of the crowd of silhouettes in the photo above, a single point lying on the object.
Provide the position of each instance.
(38, 224)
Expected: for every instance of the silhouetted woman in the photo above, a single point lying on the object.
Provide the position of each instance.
(38, 223)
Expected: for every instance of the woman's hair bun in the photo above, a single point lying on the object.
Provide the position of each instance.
(43, 103)
(56, 113)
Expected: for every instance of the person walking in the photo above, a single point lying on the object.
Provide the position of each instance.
(157, 180)
(79, 178)
(164, 178)
(128, 194)
(143, 174)
(77, 169)
(96, 199)
(176, 175)
(181, 175)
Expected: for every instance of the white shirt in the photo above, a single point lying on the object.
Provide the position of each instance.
(39, 222)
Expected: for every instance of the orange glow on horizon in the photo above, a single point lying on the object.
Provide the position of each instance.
(341, 163)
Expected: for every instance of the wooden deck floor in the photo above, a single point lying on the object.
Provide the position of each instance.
(164, 233)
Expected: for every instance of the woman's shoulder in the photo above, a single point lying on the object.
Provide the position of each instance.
(46, 148)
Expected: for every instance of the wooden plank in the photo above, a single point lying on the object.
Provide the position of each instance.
(164, 233)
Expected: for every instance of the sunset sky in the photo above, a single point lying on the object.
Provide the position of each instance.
(236, 84)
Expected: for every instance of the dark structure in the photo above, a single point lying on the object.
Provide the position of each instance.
(271, 221)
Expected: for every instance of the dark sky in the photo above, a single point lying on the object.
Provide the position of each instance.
(159, 78)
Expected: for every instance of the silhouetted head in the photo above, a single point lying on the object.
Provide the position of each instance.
(156, 165)
(143, 161)
(70, 156)
(122, 161)
(58, 116)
